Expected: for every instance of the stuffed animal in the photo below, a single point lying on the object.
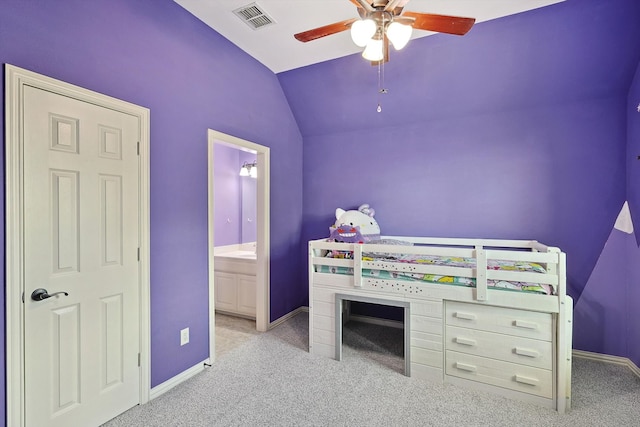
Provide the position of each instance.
(355, 226)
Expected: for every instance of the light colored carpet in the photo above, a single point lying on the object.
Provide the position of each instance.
(231, 332)
(272, 380)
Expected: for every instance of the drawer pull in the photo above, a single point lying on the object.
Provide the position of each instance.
(464, 341)
(526, 352)
(465, 367)
(463, 315)
(527, 380)
(525, 324)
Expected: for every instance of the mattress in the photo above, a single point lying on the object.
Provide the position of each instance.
(390, 274)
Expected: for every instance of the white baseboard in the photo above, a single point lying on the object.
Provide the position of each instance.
(288, 316)
(377, 321)
(617, 360)
(181, 377)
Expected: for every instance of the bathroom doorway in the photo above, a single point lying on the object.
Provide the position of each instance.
(261, 155)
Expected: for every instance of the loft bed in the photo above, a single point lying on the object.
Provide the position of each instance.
(487, 314)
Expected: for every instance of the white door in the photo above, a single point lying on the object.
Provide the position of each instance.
(81, 350)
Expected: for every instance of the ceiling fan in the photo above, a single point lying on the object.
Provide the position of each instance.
(384, 21)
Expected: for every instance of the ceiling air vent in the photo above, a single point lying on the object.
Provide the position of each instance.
(254, 16)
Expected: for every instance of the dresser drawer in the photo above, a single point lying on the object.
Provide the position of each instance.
(513, 376)
(522, 323)
(430, 325)
(526, 351)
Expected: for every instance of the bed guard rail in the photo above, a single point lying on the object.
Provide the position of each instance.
(481, 250)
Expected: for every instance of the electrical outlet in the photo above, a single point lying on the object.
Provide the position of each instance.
(184, 336)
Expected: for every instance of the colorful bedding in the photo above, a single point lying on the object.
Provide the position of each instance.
(442, 279)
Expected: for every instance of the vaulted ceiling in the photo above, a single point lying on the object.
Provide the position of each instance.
(274, 46)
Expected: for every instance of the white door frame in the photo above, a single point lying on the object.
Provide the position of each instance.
(15, 81)
(262, 227)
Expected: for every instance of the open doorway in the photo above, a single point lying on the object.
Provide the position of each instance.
(369, 339)
(262, 245)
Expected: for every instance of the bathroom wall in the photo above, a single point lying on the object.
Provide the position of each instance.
(235, 197)
(248, 205)
(226, 190)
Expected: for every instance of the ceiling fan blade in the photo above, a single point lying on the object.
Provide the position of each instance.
(361, 11)
(391, 5)
(364, 4)
(327, 30)
(441, 23)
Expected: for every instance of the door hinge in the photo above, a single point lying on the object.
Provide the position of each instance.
(138, 254)
(138, 360)
(138, 148)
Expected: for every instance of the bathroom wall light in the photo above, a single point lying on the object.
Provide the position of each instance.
(249, 169)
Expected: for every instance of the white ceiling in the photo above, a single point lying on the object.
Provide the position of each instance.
(275, 47)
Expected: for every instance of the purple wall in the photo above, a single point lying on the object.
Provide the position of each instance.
(567, 52)
(633, 195)
(601, 315)
(633, 151)
(248, 202)
(155, 54)
(555, 174)
(632, 324)
(227, 203)
(606, 318)
(516, 130)
(249, 210)
(234, 195)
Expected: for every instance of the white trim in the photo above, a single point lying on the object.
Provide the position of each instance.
(263, 243)
(288, 316)
(15, 80)
(183, 376)
(615, 360)
(210, 251)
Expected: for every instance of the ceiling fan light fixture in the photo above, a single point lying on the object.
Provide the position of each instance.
(362, 31)
(399, 34)
(374, 50)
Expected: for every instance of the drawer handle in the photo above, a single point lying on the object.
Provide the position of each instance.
(527, 380)
(464, 341)
(465, 316)
(526, 352)
(526, 325)
(465, 367)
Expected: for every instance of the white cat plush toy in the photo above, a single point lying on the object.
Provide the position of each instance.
(355, 226)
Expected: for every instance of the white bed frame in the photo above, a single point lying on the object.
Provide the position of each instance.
(516, 344)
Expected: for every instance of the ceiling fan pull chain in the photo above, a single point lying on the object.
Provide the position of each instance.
(381, 89)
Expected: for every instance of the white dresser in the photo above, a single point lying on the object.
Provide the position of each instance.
(499, 346)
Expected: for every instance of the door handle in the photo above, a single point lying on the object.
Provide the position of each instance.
(42, 294)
